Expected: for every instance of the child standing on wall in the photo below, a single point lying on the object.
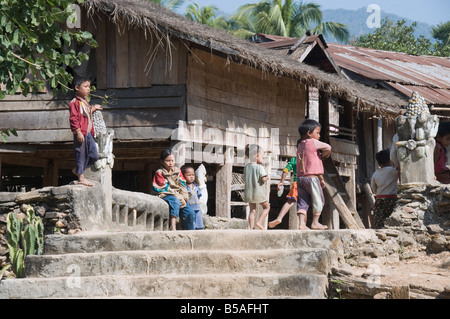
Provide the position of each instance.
(384, 184)
(169, 184)
(255, 178)
(293, 194)
(310, 173)
(82, 128)
(194, 195)
(441, 171)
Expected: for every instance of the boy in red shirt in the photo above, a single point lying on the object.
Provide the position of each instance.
(82, 128)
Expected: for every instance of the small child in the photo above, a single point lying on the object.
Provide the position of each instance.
(82, 128)
(169, 184)
(293, 194)
(255, 177)
(384, 184)
(441, 171)
(194, 195)
(310, 173)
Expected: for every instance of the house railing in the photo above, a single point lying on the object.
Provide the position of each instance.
(132, 211)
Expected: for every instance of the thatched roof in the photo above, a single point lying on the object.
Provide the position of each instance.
(156, 19)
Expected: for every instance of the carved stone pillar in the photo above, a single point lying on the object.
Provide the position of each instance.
(416, 130)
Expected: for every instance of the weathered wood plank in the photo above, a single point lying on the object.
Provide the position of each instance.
(100, 54)
(122, 72)
(333, 194)
(223, 191)
(56, 119)
(27, 105)
(134, 62)
(111, 60)
(144, 78)
(136, 118)
(42, 136)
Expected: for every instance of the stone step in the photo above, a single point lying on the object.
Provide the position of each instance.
(86, 242)
(158, 262)
(169, 286)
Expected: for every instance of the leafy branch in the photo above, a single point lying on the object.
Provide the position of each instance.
(36, 46)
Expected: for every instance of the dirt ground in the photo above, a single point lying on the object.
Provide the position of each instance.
(424, 271)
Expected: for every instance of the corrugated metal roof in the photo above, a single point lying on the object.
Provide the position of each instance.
(428, 75)
(401, 72)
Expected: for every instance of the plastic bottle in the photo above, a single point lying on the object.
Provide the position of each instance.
(280, 191)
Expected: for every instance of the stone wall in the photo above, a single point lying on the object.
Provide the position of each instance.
(66, 210)
(423, 214)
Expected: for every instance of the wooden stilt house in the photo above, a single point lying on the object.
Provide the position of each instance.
(167, 76)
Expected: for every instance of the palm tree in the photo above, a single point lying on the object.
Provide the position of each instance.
(169, 4)
(289, 19)
(206, 15)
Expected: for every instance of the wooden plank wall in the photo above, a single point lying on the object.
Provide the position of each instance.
(145, 113)
(225, 95)
(136, 57)
(145, 79)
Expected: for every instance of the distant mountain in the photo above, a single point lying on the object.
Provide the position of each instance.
(356, 21)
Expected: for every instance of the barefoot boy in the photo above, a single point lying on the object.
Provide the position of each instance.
(194, 195)
(255, 178)
(310, 173)
(82, 128)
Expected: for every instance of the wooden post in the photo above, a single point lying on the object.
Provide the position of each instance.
(332, 193)
(379, 135)
(330, 215)
(223, 190)
(346, 120)
(51, 173)
(368, 205)
(324, 115)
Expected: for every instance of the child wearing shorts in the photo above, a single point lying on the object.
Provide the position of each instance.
(310, 173)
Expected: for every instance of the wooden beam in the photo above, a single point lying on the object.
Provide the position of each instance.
(324, 115)
(223, 191)
(100, 54)
(51, 173)
(335, 197)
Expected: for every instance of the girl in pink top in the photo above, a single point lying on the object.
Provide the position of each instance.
(310, 173)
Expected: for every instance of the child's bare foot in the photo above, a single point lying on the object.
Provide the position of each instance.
(85, 182)
(319, 226)
(273, 223)
(259, 226)
(303, 227)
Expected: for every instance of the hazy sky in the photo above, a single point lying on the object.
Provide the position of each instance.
(429, 11)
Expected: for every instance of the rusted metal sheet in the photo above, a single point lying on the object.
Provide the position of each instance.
(432, 95)
(430, 76)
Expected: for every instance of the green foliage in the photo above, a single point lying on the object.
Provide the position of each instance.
(206, 15)
(289, 18)
(35, 45)
(442, 33)
(2, 271)
(24, 237)
(169, 4)
(6, 132)
(399, 37)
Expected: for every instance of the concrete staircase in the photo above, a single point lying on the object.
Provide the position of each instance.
(182, 264)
